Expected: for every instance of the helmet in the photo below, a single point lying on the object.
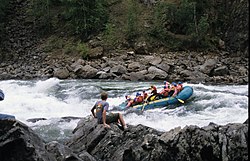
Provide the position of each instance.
(179, 82)
(153, 88)
(138, 94)
(174, 84)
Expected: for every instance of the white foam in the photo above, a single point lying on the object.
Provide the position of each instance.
(55, 98)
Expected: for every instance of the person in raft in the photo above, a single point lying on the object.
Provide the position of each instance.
(101, 108)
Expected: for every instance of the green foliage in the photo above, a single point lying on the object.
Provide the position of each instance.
(53, 43)
(131, 30)
(187, 19)
(83, 50)
(85, 17)
(41, 12)
(110, 35)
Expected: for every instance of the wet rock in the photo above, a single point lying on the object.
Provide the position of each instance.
(33, 120)
(212, 142)
(19, 142)
(91, 142)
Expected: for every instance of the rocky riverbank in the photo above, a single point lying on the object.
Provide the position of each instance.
(91, 142)
(23, 56)
(184, 66)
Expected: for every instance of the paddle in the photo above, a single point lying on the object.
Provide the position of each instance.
(180, 100)
(142, 109)
(145, 102)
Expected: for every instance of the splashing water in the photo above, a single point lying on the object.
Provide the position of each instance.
(53, 99)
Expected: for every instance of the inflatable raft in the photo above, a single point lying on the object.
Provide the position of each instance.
(182, 96)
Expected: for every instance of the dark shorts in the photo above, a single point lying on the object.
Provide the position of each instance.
(111, 118)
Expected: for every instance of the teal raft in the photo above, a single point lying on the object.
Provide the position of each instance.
(186, 93)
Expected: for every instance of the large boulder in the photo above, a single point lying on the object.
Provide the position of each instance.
(208, 66)
(118, 70)
(220, 71)
(61, 73)
(18, 142)
(86, 71)
(159, 74)
(92, 142)
(212, 142)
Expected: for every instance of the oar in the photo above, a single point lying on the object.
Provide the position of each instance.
(142, 109)
(145, 102)
(180, 100)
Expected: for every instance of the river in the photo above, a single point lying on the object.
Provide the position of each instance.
(53, 99)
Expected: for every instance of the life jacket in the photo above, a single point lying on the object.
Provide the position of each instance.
(145, 95)
(174, 90)
(139, 99)
(179, 87)
(130, 103)
(164, 92)
(167, 84)
(153, 90)
(152, 98)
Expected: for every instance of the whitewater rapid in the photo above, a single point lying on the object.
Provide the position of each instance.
(52, 99)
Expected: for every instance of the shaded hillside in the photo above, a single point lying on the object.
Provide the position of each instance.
(43, 39)
(173, 25)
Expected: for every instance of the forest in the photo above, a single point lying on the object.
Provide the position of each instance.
(176, 25)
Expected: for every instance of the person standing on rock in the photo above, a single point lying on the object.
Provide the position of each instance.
(4, 116)
(1, 95)
(100, 109)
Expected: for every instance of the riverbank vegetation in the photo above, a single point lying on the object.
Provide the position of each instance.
(175, 25)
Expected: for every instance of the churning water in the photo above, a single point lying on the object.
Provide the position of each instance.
(53, 99)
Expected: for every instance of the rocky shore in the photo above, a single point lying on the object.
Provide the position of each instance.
(91, 142)
(191, 67)
(23, 57)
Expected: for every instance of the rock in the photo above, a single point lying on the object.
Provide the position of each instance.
(208, 66)
(141, 48)
(86, 71)
(134, 66)
(118, 70)
(33, 120)
(135, 76)
(156, 61)
(77, 63)
(220, 71)
(141, 143)
(103, 75)
(96, 53)
(19, 142)
(61, 73)
(92, 142)
(149, 76)
(163, 66)
(159, 74)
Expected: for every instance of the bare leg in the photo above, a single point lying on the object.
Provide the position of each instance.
(121, 120)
